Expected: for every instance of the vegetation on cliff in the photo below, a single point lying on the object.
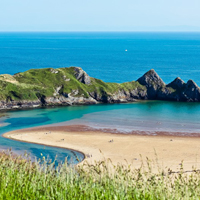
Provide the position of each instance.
(67, 86)
(41, 84)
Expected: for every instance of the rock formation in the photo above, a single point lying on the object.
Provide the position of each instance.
(69, 86)
(81, 76)
(177, 84)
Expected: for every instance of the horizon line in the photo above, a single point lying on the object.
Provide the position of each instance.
(38, 31)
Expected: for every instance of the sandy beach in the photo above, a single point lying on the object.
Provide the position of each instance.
(120, 148)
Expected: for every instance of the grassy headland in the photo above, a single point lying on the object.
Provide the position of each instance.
(68, 86)
(49, 82)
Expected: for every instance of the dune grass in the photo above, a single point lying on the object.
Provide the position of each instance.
(20, 179)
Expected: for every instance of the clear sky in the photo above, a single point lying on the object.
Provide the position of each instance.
(99, 15)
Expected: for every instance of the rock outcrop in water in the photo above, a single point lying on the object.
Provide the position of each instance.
(69, 86)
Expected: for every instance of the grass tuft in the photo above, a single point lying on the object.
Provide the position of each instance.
(23, 179)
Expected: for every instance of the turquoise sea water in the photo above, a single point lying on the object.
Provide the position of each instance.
(30, 118)
(103, 56)
(149, 116)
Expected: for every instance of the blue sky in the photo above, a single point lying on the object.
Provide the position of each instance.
(99, 15)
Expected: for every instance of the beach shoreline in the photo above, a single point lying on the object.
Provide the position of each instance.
(162, 149)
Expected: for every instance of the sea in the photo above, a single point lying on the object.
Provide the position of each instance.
(113, 57)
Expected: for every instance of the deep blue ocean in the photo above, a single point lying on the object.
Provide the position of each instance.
(104, 56)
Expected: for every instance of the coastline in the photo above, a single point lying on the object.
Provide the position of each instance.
(73, 86)
(162, 149)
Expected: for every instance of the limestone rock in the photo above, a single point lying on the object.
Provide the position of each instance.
(178, 83)
(149, 87)
(192, 91)
(191, 85)
(53, 71)
(57, 90)
(82, 76)
(151, 79)
(62, 100)
(152, 82)
(23, 104)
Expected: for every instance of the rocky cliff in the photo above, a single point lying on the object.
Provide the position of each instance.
(68, 86)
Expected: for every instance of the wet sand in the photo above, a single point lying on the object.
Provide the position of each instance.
(169, 150)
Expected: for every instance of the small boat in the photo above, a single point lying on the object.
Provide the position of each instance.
(126, 50)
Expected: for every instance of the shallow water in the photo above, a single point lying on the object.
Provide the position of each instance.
(149, 116)
(30, 118)
(103, 55)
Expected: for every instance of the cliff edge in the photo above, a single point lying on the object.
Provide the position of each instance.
(69, 86)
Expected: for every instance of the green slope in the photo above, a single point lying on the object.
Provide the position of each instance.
(36, 83)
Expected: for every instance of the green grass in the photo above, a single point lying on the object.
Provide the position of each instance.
(21, 179)
(36, 83)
